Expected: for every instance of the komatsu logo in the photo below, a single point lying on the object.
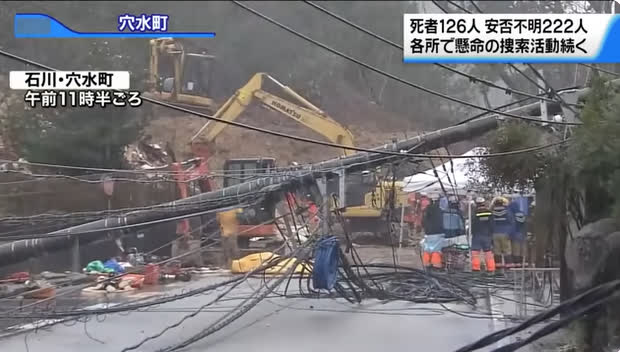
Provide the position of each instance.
(286, 109)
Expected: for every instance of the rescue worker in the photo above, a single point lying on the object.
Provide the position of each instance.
(503, 226)
(434, 236)
(518, 235)
(531, 237)
(453, 223)
(482, 237)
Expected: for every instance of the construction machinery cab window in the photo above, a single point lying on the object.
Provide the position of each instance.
(242, 170)
(196, 75)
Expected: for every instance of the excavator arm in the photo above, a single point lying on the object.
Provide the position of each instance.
(307, 114)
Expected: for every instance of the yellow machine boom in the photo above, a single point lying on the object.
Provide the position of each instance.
(307, 114)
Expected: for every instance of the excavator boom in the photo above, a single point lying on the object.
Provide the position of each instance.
(307, 114)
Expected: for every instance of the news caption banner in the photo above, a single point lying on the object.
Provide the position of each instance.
(511, 38)
(39, 25)
(77, 89)
(52, 89)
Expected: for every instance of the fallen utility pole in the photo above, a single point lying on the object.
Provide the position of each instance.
(17, 251)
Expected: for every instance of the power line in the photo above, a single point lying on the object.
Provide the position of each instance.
(389, 75)
(209, 117)
(155, 302)
(158, 169)
(39, 177)
(601, 69)
(114, 228)
(473, 3)
(473, 78)
(233, 123)
(534, 70)
(310, 140)
(247, 174)
(436, 3)
(548, 87)
(458, 6)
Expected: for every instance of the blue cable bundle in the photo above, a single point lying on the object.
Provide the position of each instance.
(326, 262)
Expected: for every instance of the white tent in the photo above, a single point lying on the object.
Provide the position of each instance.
(455, 175)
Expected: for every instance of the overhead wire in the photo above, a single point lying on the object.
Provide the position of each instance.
(281, 134)
(104, 213)
(601, 69)
(436, 3)
(549, 88)
(473, 3)
(195, 312)
(389, 75)
(121, 227)
(458, 6)
(246, 304)
(573, 308)
(490, 111)
(472, 78)
(130, 307)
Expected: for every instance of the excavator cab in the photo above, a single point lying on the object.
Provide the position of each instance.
(255, 220)
(180, 77)
(241, 170)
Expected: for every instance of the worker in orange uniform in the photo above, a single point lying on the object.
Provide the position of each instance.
(434, 235)
(482, 237)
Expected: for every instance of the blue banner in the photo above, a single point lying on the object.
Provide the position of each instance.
(36, 25)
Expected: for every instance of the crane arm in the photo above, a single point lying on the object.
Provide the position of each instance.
(307, 114)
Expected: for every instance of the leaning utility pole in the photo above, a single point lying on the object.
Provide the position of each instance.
(17, 251)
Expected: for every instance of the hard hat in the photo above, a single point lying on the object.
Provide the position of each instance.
(501, 200)
(479, 200)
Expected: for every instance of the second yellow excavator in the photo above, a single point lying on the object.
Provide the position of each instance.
(366, 198)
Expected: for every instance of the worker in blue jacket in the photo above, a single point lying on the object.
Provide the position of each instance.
(519, 233)
(453, 223)
(503, 227)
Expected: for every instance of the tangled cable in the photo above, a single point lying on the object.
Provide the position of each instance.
(574, 308)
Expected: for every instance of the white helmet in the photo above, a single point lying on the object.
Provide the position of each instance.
(479, 200)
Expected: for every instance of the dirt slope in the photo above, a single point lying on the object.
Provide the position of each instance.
(369, 123)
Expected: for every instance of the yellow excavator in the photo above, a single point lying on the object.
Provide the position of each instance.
(180, 77)
(366, 198)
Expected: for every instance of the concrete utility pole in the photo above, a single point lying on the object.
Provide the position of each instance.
(17, 251)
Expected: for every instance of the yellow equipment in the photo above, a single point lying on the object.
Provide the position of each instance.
(367, 199)
(361, 214)
(188, 83)
(307, 114)
(255, 260)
